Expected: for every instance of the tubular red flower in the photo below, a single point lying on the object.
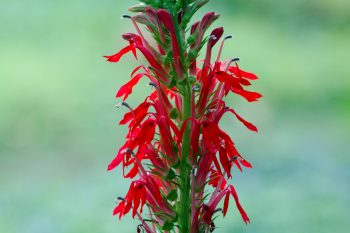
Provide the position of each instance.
(167, 20)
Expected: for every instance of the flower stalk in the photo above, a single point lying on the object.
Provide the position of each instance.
(174, 147)
(185, 204)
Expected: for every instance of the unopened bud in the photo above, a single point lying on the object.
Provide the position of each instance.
(137, 8)
(202, 3)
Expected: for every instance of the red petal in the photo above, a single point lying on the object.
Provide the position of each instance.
(117, 160)
(126, 89)
(226, 202)
(133, 172)
(138, 114)
(119, 208)
(225, 162)
(150, 58)
(243, 81)
(137, 200)
(143, 198)
(229, 80)
(240, 208)
(145, 135)
(245, 163)
(242, 74)
(246, 123)
(238, 165)
(116, 57)
(248, 95)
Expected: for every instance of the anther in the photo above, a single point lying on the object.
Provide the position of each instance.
(195, 88)
(126, 17)
(125, 105)
(228, 37)
(130, 151)
(235, 59)
(234, 158)
(212, 37)
(152, 84)
(217, 210)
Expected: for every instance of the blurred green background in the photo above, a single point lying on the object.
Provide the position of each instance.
(58, 123)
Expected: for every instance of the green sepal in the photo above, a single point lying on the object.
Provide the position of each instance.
(172, 195)
(170, 175)
(172, 83)
(174, 114)
(176, 165)
(142, 19)
(190, 40)
(168, 226)
(192, 80)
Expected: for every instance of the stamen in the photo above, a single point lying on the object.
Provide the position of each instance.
(230, 62)
(153, 84)
(125, 105)
(222, 46)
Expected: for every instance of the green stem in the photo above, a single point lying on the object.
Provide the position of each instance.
(184, 204)
(185, 169)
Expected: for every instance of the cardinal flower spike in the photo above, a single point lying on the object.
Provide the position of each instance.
(175, 154)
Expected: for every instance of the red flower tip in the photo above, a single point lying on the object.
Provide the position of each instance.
(208, 19)
(166, 19)
(215, 36)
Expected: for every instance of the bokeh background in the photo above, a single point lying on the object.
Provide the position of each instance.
(58, 121)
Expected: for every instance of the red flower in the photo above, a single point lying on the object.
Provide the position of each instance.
(135, 198)
(131, 47)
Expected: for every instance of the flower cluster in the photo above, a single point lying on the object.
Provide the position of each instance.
(175, 153)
